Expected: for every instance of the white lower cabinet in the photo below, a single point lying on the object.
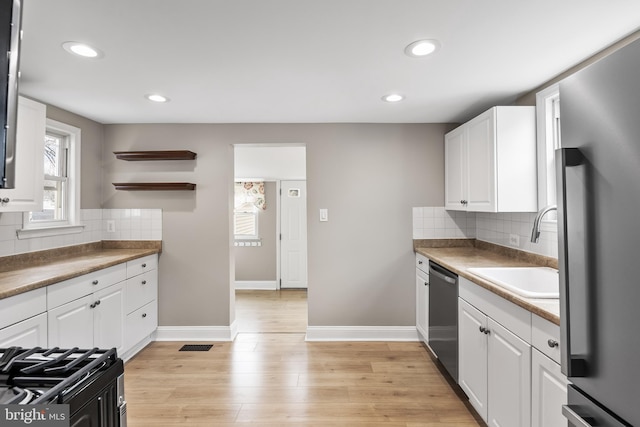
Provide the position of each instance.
(95, 320)
(111, 308)
(71, 324)
(31, 332)
(548, 392)
(473, 355)
(422, 297)
(509, 378)
(494, 369)
(508, 381)
(108, 318)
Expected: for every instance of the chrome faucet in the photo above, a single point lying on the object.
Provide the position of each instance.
(535, 232)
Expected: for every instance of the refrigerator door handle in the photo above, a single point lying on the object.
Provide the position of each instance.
(574, 419)
(573, 365)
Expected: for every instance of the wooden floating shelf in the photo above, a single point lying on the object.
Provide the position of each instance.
(154, 186)
(155, 155)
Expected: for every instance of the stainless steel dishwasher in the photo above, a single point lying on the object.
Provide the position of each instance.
(443, 316)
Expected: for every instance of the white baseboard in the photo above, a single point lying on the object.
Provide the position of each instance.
(136, 348)
(196, 333)
(267, 285)
(362, 333)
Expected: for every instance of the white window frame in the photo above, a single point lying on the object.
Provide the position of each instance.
(72, 223)
(545, 151)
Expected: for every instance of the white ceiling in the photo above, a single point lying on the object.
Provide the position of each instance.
(298, 61)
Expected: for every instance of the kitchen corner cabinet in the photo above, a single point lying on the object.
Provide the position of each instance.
(30, 131)
(490, 162)
(422, 297)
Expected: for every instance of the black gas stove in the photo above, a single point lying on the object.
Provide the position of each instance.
(90, 381)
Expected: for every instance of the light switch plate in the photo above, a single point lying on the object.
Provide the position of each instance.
(514, 240)
(111, 226)
(324, 215)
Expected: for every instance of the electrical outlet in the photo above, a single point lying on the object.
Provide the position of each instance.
(514, 240)
(111, 226)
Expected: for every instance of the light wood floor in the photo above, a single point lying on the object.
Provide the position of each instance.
(274, 378)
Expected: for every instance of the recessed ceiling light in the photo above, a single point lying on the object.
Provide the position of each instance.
(157, 98)
(421, 48)
(82, 49)
(393, 97)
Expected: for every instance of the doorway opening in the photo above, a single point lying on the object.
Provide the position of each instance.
(270, 238)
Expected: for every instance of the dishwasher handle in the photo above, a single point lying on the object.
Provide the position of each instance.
(442, 273)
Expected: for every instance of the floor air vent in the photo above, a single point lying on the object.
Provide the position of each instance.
(196, 347)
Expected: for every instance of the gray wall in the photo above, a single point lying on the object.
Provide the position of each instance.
(91, 151)
(369, 176)
(259, 262)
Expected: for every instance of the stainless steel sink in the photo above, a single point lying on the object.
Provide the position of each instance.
(529, 282)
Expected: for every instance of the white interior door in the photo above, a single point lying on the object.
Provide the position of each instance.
(293, 234)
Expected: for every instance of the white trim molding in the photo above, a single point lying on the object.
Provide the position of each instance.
(196, 333)
(362, 333)
(266, 285)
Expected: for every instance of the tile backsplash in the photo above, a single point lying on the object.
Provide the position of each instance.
(497, 228)
(129, 224)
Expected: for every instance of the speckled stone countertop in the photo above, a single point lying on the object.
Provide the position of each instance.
(460, 255)
(33, 270)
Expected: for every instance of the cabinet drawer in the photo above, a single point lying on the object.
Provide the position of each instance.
(28, 333)
(140, 265)
(140, 290)
(545, 337)
(422, 263)
(69, 290)
(141, 323)
(17, 308)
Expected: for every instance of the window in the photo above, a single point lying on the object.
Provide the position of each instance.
(61, 195)
(548, 134)
(249, 199)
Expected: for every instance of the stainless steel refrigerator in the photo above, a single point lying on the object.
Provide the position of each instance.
(598, 175)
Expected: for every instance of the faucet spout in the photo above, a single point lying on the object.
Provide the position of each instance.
(535, 232)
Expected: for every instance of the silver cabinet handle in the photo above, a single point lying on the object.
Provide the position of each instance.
(5, 200)
(552, 343)
(420, 262)
(144, 282)
(575, 419)
(426, 283)
(484, 330)
(144, 315)
(144, 265)
(95, 282)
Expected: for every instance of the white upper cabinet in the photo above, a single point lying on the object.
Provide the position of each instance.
(29, 181)
(490, 162)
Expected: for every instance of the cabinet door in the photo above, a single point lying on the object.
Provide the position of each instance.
(509, 378)
(71, 324)
(29, 182)
(108, 317)
(455, 160)
(548, 392)
(422, 304)
(481, 152)
(472, 354)
(29, 333)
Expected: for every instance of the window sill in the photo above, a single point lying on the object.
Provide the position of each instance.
(32, 233)
(247, 242)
